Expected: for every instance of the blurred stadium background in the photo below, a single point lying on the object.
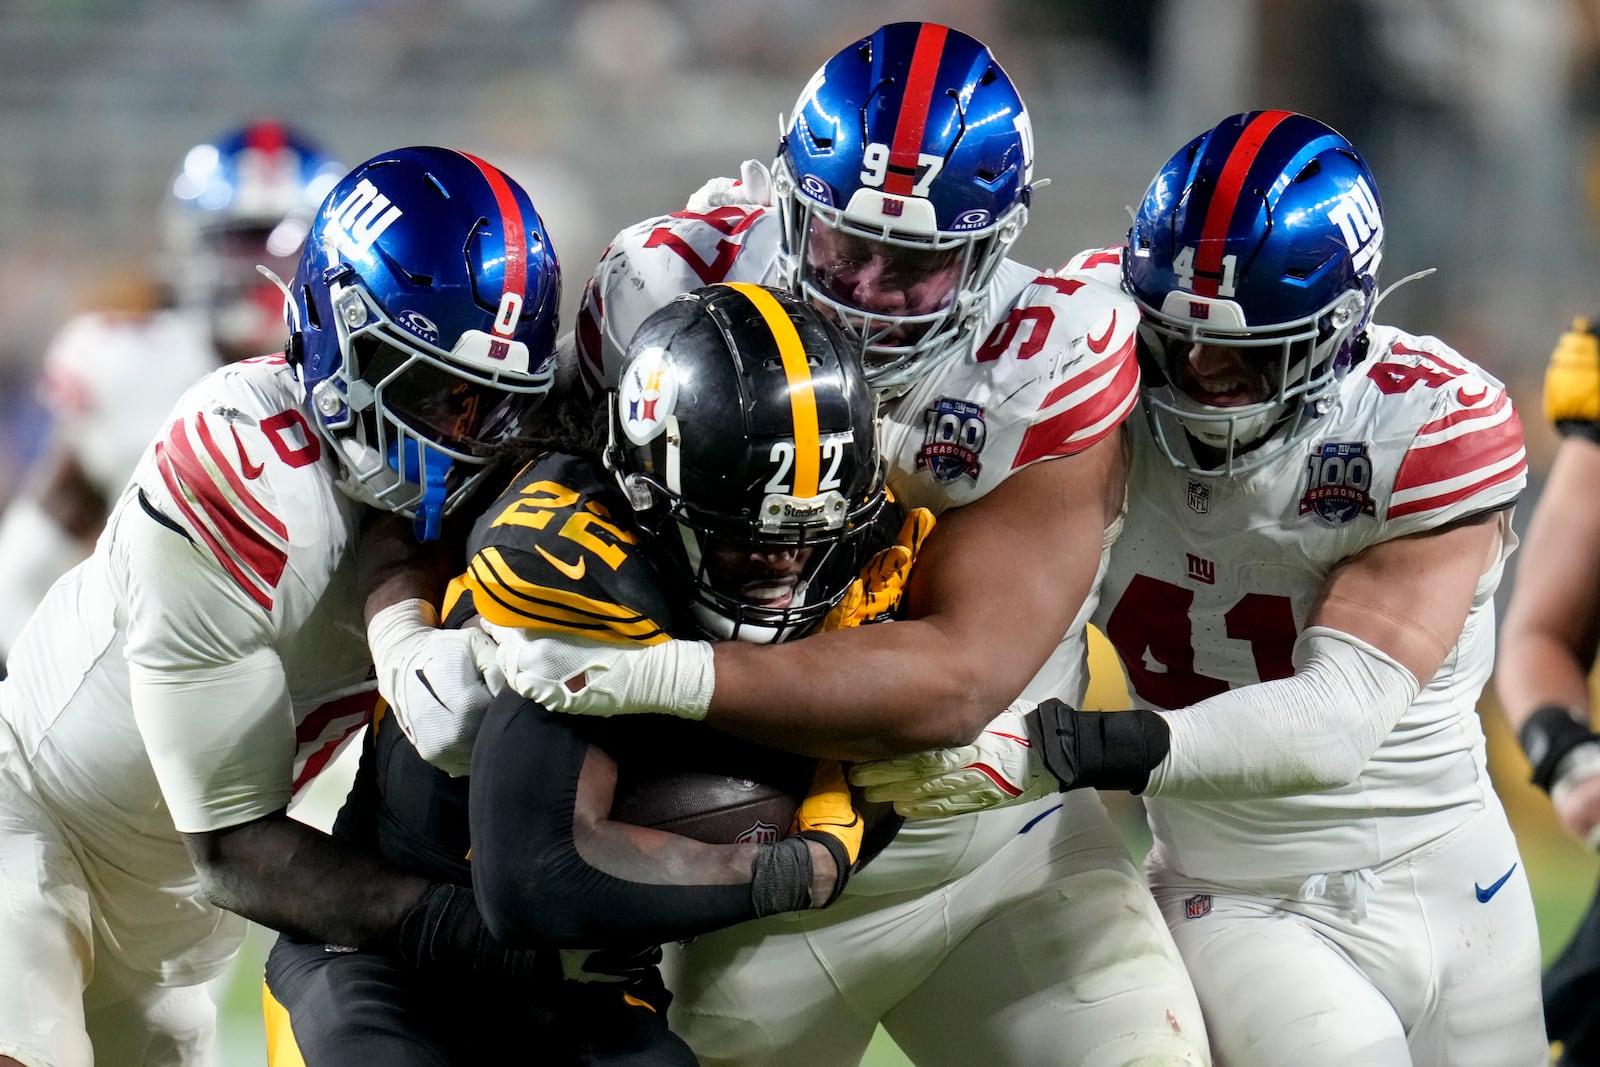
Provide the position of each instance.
(1479, 121)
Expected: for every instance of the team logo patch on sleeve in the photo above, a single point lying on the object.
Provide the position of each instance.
(956, 432)
(1338, 483)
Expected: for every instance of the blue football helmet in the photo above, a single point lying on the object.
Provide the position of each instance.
(1262, 235)
(238, 200)
(903, 179)
(744, 436)
(423, 322)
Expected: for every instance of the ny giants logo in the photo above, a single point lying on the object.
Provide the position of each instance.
(359, 220)
(1360, 223)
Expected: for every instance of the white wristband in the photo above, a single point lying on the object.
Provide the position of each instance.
(389, 635)
(674, 678)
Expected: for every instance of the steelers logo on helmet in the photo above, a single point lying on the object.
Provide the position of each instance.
(647, 395)
(742, 435)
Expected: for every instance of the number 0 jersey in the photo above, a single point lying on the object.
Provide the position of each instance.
(1050, 372)
(208, 657)
(1213, 579)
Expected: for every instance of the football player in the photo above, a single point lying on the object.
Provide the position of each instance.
(110, 376)
(1318, 516)
(903, 178)
(172, 693)
(736, 498)
(1547, 650)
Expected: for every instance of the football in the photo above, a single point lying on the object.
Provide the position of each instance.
(716, 808)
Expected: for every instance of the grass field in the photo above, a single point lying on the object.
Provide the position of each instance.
(1561, 872)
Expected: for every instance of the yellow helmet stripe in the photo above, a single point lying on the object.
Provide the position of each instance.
(802, 398)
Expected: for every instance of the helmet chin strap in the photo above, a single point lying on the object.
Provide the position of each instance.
(429, 469)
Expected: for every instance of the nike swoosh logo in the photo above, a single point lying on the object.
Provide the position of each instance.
(252, 471)
(1097, 345)
(1485, 894)
(571, 570)
(1468, 399)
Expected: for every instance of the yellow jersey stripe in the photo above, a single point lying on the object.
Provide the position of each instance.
(503, 598)
(802, 397)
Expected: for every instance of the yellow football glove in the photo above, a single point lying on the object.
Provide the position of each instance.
(828, 816)
(1572, 380)
(875, 594)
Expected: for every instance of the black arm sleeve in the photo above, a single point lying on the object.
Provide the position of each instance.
(533, 885)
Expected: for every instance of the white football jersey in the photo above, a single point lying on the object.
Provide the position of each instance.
(109, 379)
(1213, 579)
(221, 600)
(1051, 371)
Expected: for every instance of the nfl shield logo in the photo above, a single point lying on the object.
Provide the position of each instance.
(762, 833)
(1199, 496)
(1197, 907)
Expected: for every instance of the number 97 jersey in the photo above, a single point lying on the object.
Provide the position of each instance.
(1214, 578)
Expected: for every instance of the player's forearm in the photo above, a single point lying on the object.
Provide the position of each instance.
(1536, 668)
(551, 868)
(392, 566)
(862, 693)
(294, 878)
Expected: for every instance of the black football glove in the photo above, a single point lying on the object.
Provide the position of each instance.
(1098, 749)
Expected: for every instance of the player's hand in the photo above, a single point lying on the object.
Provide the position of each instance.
(1577, 805)
(877, 591)
(1575, 793)
(828, 816)
(577, 676)
(752, 188)
(438, 683)
(1572, 377)
(999, 768)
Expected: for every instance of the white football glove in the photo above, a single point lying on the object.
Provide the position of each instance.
(438, 683)
(571, 674)
(999, 768)
(752, 188)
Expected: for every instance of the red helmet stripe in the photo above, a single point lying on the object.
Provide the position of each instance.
(516, 275)
(902, 176)
(267, 136)
(1213, 238)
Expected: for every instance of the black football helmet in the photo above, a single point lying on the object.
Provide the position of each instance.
(743, 433)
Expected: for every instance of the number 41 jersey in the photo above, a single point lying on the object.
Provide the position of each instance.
(1214, 578)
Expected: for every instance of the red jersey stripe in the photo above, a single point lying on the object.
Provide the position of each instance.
(219, 552)
(1225, 200)
(225, 465)
(237, 544)
(1092, 419)
(356, 707)
(1461, 454)
(908, 133)
(1455, 496)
